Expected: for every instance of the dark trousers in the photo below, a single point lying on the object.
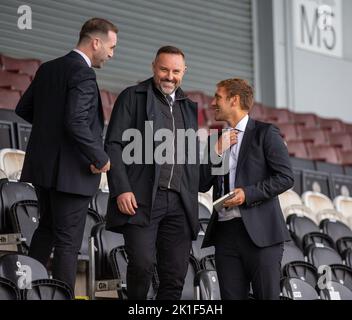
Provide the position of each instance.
(239, 263)
(61, 226)
(165, 241)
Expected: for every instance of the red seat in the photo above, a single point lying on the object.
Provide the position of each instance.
(199, 97)
(276, 115)
(314, 136)
(288, 131)
(341, 140)
(26, 66)
(258, 112)
(297, 149)
(333, 125)
(308, 120)
(14, 81)
(345, 157)
(324, 153)
(9, 98)
(112, 97)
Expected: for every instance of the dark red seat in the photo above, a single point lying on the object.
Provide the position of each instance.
(297, 149)
(308, 120)
(9, 98)
(324, 153)
(14, 81)
(26, 66)
(316, 137)
(333, 125)
(341, 140)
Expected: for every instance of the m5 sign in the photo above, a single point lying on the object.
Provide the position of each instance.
(318, 26)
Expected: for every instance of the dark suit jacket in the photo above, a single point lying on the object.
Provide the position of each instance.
(263, 171)
(134, 106)
(64, 107)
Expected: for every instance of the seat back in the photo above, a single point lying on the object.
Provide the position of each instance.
(319, 255)
(11, 162)
(25, 220)
(200, 253)
(301, 270)
(299, 226)
(335, 229)
(337, 291)
(48, 289)
(118, 259)
(92, 219)
(10, 193)
(342, 274)
(317, 238)
(297, 289)
(21, 269)
(207, 285)
(289, 198)
(188, 292)
(316, 201)
(8, 290)
(105, 241)
(291, 253)
(100, 202)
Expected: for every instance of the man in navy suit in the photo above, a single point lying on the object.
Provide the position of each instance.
(249, 231)
(65, 154)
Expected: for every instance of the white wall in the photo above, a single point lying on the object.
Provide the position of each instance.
(306, 81)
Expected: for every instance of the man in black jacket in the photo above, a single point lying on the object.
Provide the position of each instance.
(65, 156)
(154, 204)
(249, 231)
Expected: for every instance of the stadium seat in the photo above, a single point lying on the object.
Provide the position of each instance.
(101, 244)
(48, 289)
(297, 149)
(14, 81)
(335, 229)
(341, 185)
(203, 212)
(299, 226)
(25, 220)
(320, 255)
(333, 125)
(300, 210)
(342, 245)
(288, 131)
(200, 253)
(317, 238)
(188, 292)
(199, 97)
(337, 291)
(297, 289)
(258, 112)
(3, 174)
(21, 269)
(311, 136)
(26, 66)
(341, 140)
(10, 193)
(343, 204)
(308, 120)
(205, 200)
(11, 162)
(348, 257)
(9, 290)
(99, 203)
(342, 274)
(301, 270)
(206, 285)
(291, 254)
(9, 98)
(317, 201)
(324, 153)
(289, 198)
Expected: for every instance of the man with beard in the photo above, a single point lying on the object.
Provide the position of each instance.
(154, 205)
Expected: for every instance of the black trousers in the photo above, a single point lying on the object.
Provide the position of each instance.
(61, 226)
(165, 241)
(239, 263)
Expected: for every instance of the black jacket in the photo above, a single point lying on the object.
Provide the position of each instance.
(64, 107)
(134, 106)
(263, 171)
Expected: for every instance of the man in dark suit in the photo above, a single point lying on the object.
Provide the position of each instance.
(249, 231)
(154, 204)
(65, 155)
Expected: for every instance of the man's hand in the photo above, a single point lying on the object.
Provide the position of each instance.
(126, 203)
(103, 169)
(227, 139)
(238, 199)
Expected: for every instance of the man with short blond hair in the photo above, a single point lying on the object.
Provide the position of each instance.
(249, 230)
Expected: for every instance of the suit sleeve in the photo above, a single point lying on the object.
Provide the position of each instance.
(25, 107)
(121, 120)
(82, 90)
(278, 162)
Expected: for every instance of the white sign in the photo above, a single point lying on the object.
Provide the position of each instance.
(318, 26)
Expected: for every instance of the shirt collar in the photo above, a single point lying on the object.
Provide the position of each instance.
(241, 126)
(84, 56)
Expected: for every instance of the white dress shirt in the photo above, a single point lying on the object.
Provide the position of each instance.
(231, 213)
(85, 57)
